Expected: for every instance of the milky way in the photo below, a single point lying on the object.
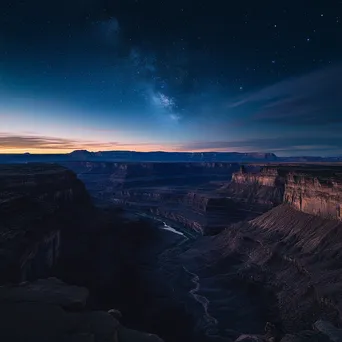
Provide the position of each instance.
(172, 75)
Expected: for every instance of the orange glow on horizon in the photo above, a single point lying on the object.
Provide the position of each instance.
(137, 148)
(15, 144)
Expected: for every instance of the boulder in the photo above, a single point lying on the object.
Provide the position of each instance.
(329, 330)
(48, 291)
(115, 313)
(129, 335)
(98, 323)
(250, 338)
(36, 322)
(305, 336)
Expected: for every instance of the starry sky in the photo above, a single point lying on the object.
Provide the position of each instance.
(172, 75)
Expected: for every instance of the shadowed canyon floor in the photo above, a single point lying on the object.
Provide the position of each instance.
(270, 250)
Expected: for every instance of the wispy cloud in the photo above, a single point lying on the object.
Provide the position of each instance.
(10, 143)
(283, 146)
(313, 99)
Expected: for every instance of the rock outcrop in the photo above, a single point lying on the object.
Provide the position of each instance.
(288, 257)
(257, 191)
(48, 226)
(36, 202)
(50, 310)
(315, 190)
(292, 255)
(315, 196)
(266, 177)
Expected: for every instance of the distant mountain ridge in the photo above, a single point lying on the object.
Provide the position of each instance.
(160, 156)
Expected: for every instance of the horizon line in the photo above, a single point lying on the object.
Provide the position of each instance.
(134, 151)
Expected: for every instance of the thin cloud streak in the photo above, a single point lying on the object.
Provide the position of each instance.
(313, 99)
(281, 146)
(43, 144)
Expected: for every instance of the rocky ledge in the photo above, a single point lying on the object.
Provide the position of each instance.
(266, 177)
(283, 267)
(312, 195)
(312, 189)
(37, 202)
(257, 191)
(50, 310)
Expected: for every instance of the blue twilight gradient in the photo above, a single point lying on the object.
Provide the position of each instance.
(83, 75)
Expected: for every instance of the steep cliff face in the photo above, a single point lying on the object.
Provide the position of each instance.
(261, 190)
(46, 217)
(36, 203)
(289, 255)
(312, 190)
(313, 196)
(206, 202)
(267, 177)
(288, 259)
(315, 190)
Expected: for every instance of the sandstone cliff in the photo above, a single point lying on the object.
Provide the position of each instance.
(260, 191)
(36, 203)
(283, 267)
(266, 177)
(314, 196)
(315, 190)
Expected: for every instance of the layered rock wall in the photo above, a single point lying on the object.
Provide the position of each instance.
(308, 191)
(267, 177)
(36, 203)
(264, 189)
(293, 255)
(204, 203)
(313, 196)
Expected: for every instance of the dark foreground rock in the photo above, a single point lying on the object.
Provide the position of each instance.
(282, 269)
(39, 203)
(288, 259)
(49, 310)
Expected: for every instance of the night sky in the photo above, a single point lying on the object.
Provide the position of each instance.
(173, 75)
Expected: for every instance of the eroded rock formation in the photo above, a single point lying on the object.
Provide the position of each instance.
(283, 266)
(36, 202)
(266, 177)
(288, 257)
(314, 196)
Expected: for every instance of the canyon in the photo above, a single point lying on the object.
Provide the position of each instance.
(203, 251)
(162, 157)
